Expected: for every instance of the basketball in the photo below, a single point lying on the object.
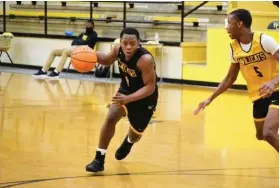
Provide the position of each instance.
(83, 59)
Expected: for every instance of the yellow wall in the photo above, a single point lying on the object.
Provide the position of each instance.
(193, 53)
(217, 58)
(263, 13)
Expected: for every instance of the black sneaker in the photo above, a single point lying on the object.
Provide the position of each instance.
(40, 74)
(97, 165)
(53, 75)
(123, 150)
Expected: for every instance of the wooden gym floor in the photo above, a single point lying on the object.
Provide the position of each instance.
(49, 132)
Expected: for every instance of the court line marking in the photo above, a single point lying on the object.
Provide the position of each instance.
(172, 172)
(51, 106)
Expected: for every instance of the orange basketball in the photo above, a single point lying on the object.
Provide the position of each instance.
(83, 59)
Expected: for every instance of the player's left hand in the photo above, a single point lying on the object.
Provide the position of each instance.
(267, 89)
(121, 99)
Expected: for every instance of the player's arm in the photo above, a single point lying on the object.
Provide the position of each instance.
(146, 66)
(223, 86)
(276, 55)
(276, 79)
(227, 82)
(270, 46)
(108, 59)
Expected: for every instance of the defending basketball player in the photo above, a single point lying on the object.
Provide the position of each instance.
(136, 97)
(256, 55)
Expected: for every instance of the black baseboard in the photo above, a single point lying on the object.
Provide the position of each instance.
(201, 83)
(5, 64)
(194, 82)
(167, 80)
(35, 67)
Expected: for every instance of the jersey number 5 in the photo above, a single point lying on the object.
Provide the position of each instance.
(259, 74)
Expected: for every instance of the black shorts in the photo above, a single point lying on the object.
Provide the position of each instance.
(140, 112)
(261, 106)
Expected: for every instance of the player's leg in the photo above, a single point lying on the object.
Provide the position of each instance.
(270, 127)
(260, 110)
(116, 112)
(139, 117)
(133, 135)
(266, 118)
(259, 129)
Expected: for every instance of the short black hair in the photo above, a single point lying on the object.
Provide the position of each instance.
(91, 21)
(244, 16)
(130, 31)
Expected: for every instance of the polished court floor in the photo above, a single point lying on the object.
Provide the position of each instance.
(49, 131)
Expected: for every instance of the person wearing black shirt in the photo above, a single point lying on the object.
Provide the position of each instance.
(88, 38)
(136, 98)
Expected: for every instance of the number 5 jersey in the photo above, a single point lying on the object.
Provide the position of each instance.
(256, 62)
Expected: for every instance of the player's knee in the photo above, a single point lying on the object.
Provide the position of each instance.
(135, 139)
(112, 119)
(259, 136)
(268, 134)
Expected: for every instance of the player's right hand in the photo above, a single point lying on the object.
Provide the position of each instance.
(202, 105)
(267, 89)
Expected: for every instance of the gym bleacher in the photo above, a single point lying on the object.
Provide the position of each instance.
(164, 18)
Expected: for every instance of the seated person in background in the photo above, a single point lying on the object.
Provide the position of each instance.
(88, 38)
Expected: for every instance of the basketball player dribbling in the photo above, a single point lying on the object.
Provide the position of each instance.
(256, 55)
(136, 97)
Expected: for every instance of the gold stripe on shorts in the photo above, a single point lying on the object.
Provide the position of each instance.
(135, 131)
(123, 106)
(125, 109)
(273, 106)
(259, 119)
